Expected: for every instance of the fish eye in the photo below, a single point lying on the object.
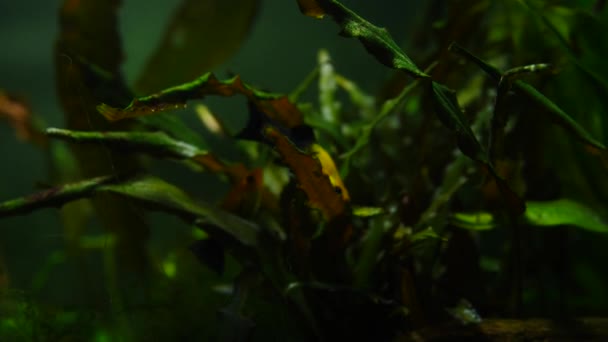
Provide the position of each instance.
(338, 190)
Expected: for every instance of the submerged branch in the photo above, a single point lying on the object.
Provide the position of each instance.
(588, 329)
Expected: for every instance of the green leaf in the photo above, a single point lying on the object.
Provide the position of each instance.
(203, 34)
(328, 105)
(367, 211)
(153, 192)
(155, 143)
(175, 127)
(473, 221)
(565, 212)
(489, 69)
(449, 113)
(52, 197)
(558, 115)
(159, 194)
(533, 95)
(424, 235)
(377, 41)
(589, 20)
(387, 108)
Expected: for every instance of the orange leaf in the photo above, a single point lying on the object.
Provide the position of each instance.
(310, 176)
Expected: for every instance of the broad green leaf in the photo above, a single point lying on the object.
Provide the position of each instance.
(565, 212)
(377, 41)
(203, 34)
(159, 194)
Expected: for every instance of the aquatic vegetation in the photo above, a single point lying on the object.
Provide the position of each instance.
(363, 216)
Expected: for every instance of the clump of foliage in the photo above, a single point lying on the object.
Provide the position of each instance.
(362, 216)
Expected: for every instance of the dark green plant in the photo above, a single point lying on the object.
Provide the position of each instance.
(375, 222)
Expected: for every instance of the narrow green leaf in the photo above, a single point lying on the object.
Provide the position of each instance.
(538, 68)
(52, 197)
(526, 90)
(424, 235)
(570, 51)
(565, 212)
(558, 115)
(328, 105)
(489, 69)
(366, 130)
(377, 41)
(367, 211)
(175, 127)
(153, 192)
(450, 114)
(155, 143)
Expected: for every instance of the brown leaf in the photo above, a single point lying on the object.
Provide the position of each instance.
(248, 192)
(276, 107)
(19, 116)
(311, 8)
(310, 176)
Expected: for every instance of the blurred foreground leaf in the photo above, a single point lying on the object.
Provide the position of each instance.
(565, 212)
(88, 57)
(203, 34)
(18, 114)
(473, 221)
